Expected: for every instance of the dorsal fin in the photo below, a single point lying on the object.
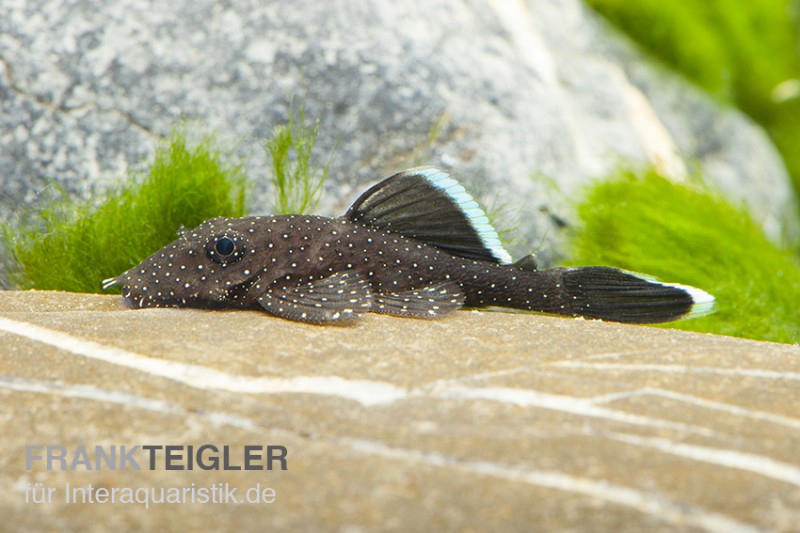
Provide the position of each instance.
(426, 204)
(527, 263)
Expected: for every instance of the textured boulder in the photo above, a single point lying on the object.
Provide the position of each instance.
(537, 97)
(479, 421)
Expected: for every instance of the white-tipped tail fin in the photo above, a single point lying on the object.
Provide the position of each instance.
(622, 296)
(704, 303)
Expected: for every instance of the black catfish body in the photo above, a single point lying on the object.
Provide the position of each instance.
(414, 245)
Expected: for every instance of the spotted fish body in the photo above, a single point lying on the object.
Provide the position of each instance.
(414, 245)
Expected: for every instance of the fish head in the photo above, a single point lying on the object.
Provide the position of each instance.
(210, 266)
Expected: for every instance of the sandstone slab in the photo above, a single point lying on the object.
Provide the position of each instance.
(480, 421)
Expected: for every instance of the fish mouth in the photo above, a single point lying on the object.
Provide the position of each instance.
(236, 295)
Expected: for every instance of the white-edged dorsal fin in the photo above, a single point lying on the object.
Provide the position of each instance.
(426, 204)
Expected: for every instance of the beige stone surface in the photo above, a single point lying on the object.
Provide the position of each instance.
(480, 421)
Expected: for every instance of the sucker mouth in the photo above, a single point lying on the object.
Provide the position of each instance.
(232, 295)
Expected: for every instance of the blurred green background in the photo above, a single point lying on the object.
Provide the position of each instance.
(742, 53)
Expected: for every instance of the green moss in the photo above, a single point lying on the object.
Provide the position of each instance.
(687, 234)
(297, 183)
(72, 246)
(737, 50)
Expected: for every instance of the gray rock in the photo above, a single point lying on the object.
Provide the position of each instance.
(537, 99)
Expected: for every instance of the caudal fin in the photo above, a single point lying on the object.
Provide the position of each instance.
(612, 294)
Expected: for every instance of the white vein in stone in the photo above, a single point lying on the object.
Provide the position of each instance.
(679, 514)
(566, 404)
(757, 464)
(363, 391)
(684, 369)
(89, 392)
(736, 410)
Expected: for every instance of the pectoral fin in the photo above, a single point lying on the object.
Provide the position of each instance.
(337, 299)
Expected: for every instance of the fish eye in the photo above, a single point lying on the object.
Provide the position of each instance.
(226, 248)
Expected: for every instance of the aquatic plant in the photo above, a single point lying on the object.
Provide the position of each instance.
(297, 182)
